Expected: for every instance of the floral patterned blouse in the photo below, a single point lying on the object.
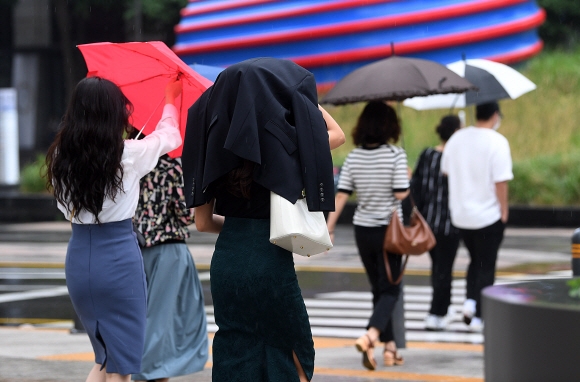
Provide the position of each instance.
(161, 214)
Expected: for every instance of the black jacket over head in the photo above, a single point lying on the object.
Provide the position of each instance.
(264, 110)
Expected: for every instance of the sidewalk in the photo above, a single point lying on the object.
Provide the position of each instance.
(51, 354)
(44, 244)
(28, 355)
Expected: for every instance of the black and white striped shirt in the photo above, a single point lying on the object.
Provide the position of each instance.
(430, 192)
(375, 174)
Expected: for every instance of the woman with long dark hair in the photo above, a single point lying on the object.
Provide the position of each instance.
(277, 139)
(377, 170)
(94, 175)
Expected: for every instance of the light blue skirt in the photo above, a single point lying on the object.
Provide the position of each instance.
(176, 340)
(106, 283)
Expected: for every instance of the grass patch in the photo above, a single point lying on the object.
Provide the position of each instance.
(541, 127)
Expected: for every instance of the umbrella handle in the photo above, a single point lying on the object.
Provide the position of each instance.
(148, 119)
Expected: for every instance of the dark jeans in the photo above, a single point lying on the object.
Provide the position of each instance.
(442, 258)
(483, 245)
(369, 241)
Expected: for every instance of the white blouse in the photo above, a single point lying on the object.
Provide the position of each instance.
(139, 158)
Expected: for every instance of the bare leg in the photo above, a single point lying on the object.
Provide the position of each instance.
(391, 346)
(373, 333)
(114, 377)
(301, 373)
(96, 374)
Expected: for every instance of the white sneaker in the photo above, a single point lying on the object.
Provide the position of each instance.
(476, 325)
(468, 310)
(435, 323)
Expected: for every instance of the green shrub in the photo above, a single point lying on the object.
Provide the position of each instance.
(548, 180)
(31, 179)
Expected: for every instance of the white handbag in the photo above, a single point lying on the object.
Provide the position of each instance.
(295, 228)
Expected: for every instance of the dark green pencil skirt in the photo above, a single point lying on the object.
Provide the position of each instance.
(258, 307)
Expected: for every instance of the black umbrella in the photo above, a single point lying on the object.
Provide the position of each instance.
(395, 79)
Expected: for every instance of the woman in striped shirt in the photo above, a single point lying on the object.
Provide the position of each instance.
(377, 171)
(429, 190)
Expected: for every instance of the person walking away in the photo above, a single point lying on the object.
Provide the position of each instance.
(176, 341)
(94, 175)
(377, 171)
(429, 190)
(478, 164)
(258, 129)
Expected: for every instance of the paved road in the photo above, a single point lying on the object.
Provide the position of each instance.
(335, 291)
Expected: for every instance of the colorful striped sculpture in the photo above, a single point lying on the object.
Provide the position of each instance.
(334, 37)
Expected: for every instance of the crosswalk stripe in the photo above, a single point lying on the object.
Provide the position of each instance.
(34, 294)
(345, 314)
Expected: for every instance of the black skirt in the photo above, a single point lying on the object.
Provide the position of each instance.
(258, 307)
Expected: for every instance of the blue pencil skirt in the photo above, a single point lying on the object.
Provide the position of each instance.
(106, 283)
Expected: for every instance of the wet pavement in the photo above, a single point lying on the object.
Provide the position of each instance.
(36, 315)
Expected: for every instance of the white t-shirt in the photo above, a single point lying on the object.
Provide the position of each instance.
(475, 159)
(375, 174)
(139, 158)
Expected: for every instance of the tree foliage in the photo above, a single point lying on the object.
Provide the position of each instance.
(88, 21)
(562, 26)
(158, 17)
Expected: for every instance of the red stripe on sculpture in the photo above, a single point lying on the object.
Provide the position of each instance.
(409, 47)
(222, 6)
(249, 19)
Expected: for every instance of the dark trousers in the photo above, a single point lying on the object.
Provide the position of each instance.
(483, 245)
(442, 258)
(369, 241)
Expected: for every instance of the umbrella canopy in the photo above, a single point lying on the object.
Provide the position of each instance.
(142, 70)
(494, 81)
(396, 78)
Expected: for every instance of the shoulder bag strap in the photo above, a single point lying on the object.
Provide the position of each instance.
(388, 268)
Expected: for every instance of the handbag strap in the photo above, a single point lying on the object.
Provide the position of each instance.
(388, 269)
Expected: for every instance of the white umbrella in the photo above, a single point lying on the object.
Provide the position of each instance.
(494, 80)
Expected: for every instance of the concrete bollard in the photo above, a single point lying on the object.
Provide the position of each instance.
(576, 252)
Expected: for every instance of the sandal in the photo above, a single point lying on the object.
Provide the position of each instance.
(365, 345)
(392, 358)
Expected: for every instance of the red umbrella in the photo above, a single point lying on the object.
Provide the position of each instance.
(142, 70)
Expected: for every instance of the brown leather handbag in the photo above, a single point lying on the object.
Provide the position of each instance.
(415, 239)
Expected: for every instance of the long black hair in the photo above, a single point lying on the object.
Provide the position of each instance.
(83, 164)
(378, 123)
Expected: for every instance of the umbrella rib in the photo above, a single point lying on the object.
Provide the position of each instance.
(148, 119)
(146, 55)
(141, 80)
(422, 76)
